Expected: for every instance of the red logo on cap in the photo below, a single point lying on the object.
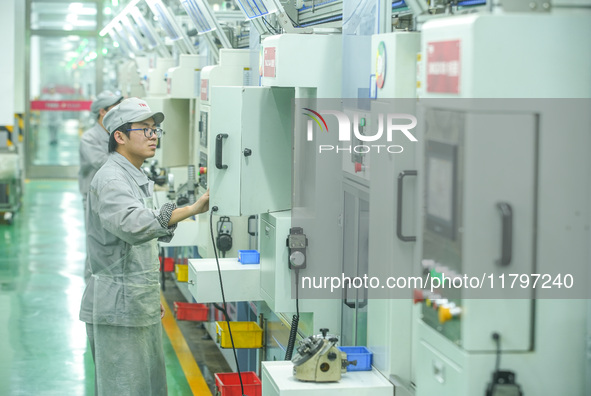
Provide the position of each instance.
(143, 105)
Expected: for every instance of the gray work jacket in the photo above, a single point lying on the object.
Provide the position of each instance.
(121, 237)
(94, 151)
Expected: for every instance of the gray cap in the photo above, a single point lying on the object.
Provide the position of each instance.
(130, 110)
(103, 100)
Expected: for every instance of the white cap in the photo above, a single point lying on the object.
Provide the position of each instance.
(130, 110)
(103, 100)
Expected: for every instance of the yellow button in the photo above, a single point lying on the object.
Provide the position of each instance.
(444, 314)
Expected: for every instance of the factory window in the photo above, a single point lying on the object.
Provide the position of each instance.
(63, 16)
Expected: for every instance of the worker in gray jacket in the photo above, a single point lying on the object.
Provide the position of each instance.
(94, 144)
(121, 304)
(94, 149)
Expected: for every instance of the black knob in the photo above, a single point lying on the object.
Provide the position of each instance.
(247, 152)
(331, 356)
(324, 332)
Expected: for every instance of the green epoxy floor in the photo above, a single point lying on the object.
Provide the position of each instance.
(43, 346)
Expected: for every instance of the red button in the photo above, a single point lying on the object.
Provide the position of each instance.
(418, 296)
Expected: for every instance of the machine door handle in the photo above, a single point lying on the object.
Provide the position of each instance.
(346, 301)
(362, 304)
(252, 227)
(219, 162)
(506, 213)
(401, 177)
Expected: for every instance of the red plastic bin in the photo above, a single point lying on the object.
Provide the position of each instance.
(190, 311)
(228, 384)
(168, 264)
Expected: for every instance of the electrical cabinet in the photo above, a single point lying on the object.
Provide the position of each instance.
(464, 195)
(250, 137)
(275, 274)
(229, 72)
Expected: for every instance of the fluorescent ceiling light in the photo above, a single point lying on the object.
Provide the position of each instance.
(75, 7)
(116, 20)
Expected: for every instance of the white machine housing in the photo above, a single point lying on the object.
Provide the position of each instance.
(303, 61)
(156, 80)
(180, 80)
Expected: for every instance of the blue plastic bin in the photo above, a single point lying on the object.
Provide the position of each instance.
(359, 353)
(248, 256)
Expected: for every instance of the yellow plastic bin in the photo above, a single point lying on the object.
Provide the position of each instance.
(182, 272)
(245, 335)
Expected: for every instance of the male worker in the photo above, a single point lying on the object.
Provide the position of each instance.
(121, 303)
(94, 144)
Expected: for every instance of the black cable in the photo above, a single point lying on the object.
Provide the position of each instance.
(221, 309)
(214, 209)
(292, 21)
(297, 275)
(293, 331)
(497, 338)
(271, 27)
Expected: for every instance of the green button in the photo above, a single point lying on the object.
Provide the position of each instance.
(435, 274)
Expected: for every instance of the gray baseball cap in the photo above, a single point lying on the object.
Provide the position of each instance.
(104, 100)
(130, 110)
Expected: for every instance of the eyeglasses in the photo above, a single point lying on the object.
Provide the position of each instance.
(149, 132)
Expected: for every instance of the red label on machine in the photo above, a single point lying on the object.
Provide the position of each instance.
(443, 67)
(61, 105)
(204, 89)
(269, 62)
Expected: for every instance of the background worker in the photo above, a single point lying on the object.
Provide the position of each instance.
(94, 149)
(94, 144)
(53, 117)
(121, 304)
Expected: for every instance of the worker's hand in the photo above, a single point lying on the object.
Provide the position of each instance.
(162, 311)
(179, 214)
(202, 204)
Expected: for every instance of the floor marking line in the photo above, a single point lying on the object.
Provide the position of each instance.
(192, 372)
